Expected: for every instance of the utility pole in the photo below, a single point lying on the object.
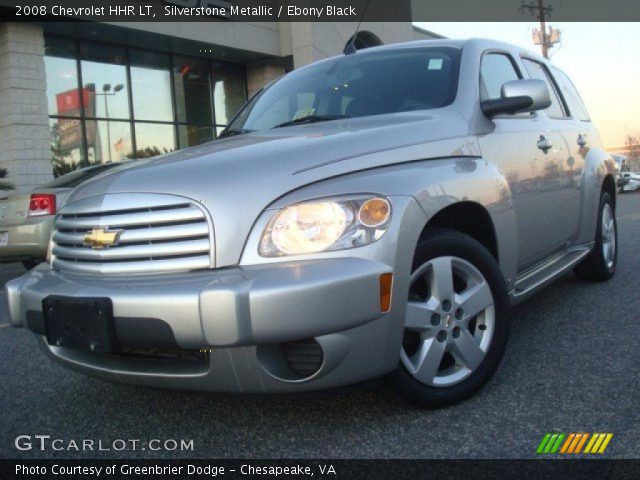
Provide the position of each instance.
(546, 38)
(543, 29)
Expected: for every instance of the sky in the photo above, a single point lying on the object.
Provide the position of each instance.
(602, 59)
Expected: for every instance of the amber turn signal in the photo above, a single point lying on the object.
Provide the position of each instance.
(374, 212)
(386, 282)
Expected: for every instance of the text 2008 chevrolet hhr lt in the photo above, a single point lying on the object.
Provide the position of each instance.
(369, 215)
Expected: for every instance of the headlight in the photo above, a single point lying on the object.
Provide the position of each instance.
(325, 225)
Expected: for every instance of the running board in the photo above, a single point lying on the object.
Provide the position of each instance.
(532, 280)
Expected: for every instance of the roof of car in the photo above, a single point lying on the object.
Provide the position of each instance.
(480, 43)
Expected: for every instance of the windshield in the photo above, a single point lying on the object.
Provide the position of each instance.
(368, 83)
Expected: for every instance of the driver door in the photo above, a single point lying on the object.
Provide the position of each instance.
(529, 154)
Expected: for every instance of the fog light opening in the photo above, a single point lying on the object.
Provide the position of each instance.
(304, 357)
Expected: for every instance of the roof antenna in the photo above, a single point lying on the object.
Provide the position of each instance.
(350, 48)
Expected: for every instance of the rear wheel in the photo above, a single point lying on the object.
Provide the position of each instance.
(456, 323)
(600, 264)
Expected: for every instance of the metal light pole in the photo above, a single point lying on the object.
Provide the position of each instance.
(106, 92)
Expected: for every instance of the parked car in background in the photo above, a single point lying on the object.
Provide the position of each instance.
(26, 220)
(622, 162)
(369, 215)
(629, 182)
(622, 179)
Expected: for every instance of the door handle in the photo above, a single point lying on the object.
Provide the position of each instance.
(582, 140)
(544, 144)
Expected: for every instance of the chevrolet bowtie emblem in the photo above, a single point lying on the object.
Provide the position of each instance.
(100, 238)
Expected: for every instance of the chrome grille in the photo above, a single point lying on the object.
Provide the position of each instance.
(158, 233)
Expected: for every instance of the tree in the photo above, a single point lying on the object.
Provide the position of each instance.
(148, 152)
(633, 148)
(60, 156)
(5, 184)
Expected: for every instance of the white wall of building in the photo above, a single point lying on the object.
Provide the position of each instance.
(24, 120)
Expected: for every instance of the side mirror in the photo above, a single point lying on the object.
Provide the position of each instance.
(518, 96)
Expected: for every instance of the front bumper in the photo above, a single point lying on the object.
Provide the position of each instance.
(27, 241)
(240, 315)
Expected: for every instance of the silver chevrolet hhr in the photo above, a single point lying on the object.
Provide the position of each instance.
(369, 215)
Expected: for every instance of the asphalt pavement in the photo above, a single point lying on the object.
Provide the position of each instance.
(571, 365)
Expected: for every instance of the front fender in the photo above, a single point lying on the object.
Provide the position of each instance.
(435, 184)
(481, 182)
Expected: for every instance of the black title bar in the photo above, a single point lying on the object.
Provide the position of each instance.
(317, 10)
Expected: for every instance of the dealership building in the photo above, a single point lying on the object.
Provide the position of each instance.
(74, 94)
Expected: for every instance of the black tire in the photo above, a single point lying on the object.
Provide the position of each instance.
(594, 267)
(444, 242)
(30, 264)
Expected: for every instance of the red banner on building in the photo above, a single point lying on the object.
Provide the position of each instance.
(70, 104)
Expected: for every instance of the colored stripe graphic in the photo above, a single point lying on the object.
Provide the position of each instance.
(576, 439)
(605, 443)
(599, 443)
(592, 443)
(556, 446)
(573, 443)
(581, 443)
(567, 443)
(550, 443)
(543, 443)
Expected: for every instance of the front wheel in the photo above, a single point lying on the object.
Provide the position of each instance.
(456, 323)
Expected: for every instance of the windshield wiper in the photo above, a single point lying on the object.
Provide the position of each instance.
(311, 119)
(234, 131)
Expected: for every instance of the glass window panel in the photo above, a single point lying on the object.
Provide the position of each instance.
(154, 139)
(61, 71)
(193, 91)
(151, 86)
(104, 73)
(67, 152)
(228, 91)
(571, 95)
(537, 70)
(108, 141)
(190, 135)
(219, 129)
(496, 70)
(428, 80)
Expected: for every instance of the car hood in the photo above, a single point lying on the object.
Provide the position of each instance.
(237, 177)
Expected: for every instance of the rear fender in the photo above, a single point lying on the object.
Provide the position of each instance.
(597, 165)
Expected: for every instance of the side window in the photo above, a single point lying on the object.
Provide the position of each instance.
(571, 95)
(496, 69)
(539, 71)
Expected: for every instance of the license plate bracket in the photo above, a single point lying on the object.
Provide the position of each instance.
(80, 323)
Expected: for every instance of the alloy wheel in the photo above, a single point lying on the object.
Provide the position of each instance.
(449, 322)
(608, 235)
